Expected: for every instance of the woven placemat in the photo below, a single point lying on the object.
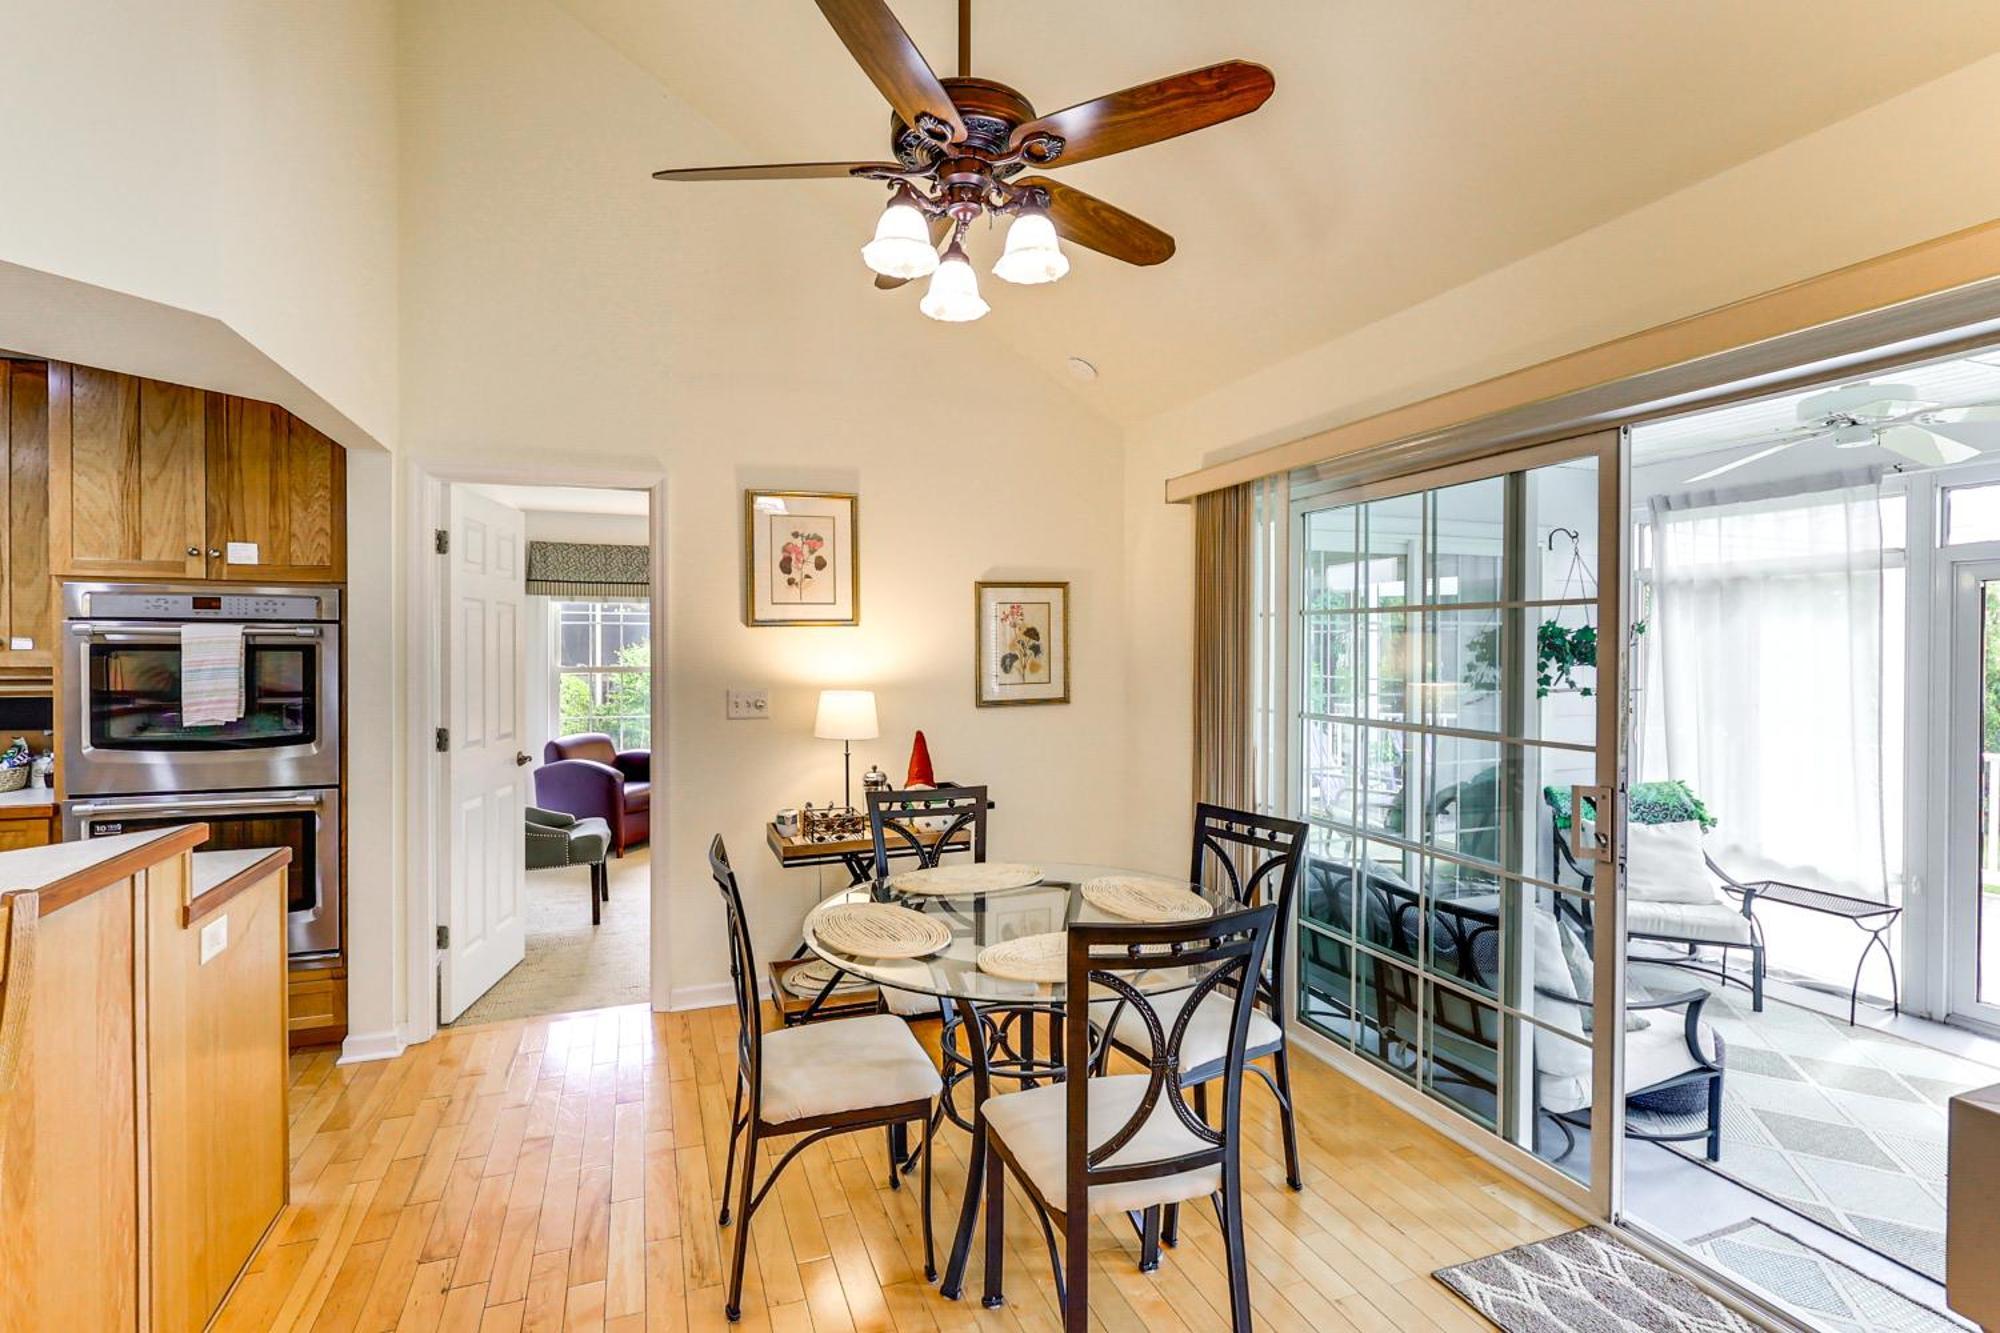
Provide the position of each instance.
(1043, 958)
(807, 980)
(1142, 898)
(879, 930)
(966, 878)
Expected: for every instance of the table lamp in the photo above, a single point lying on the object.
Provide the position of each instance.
(846, 716)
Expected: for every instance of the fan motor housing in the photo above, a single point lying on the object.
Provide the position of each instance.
(990, 112)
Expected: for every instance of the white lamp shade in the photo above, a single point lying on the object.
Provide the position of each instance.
(1033, 254)
(954, 291)
(846, 715)
(902, 244)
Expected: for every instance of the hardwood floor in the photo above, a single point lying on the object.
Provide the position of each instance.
(560, 1173)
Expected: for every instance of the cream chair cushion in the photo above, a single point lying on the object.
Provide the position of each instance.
(1705, 923)
(1664, 864)
(847, 1064)
(1207, 1038)
(1653, 1055)
(908, 1003)
(1034, 1126)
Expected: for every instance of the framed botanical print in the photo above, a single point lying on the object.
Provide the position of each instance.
(801, 558)
(1021, 652)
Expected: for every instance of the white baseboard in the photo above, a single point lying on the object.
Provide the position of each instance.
(711, 995)
(359, 1048)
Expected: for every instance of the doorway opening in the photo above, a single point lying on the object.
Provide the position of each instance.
(545, 686)
(1816, 594)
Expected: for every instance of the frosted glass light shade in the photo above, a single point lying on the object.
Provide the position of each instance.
(846, 715)
(954, 291)
(1033, 254)
(902, 244)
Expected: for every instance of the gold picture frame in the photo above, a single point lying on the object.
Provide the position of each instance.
(808, 573)
(1020, 643)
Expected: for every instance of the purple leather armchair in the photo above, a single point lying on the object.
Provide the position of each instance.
(585, 776)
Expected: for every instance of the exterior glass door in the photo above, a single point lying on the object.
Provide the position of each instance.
(1455, 749)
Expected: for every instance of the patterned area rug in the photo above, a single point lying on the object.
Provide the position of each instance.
(1844, 1125)
(1817, 1287)
(1585, 1281)
(571, 964)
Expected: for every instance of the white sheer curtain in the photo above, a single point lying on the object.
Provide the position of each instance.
(1765, 683)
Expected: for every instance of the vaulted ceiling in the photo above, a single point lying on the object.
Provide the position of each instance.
(1409, 147)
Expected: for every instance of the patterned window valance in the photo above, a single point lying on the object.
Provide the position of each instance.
(583, 570)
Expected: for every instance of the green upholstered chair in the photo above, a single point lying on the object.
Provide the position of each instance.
(555, 840)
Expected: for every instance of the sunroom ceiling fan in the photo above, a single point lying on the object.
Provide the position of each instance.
(960, 145)
(1895, 417)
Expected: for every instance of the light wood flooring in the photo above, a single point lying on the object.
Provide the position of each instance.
(561, 1173)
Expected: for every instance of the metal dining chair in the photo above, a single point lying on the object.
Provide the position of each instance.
(1130, 1142)
(1261, 858)
(814, 1082)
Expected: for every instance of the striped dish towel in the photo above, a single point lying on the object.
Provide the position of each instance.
(211, 674)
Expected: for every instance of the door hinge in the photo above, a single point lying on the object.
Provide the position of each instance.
(442, 739)
(444, 937)
(441, 539)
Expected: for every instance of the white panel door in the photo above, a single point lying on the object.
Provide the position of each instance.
(486, 775)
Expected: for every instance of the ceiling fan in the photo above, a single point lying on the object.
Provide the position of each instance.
(1896, 417)
(960, 145)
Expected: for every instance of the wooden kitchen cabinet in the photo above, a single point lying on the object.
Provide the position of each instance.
(27, 627)
(127, 465)
(278, 485)
(148, 480)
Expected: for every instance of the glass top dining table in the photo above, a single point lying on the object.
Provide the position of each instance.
(996, 1015)
(979, 919)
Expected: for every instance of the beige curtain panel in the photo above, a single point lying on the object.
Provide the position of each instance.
(1224, 591)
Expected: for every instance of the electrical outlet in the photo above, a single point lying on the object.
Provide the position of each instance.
(749, 704)
(214, 938)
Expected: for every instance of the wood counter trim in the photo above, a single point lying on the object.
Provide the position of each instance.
(75, 887)
(205, 904)
(17, 972)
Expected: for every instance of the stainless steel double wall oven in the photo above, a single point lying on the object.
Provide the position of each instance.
(270, 778)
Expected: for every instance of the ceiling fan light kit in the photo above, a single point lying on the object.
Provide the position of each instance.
(960, 145)
(902, 245)
(954, 291)
(1033, 254)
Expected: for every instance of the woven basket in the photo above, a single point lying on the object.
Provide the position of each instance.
(14, 779)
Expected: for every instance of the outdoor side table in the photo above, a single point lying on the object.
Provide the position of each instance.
(1871, 917)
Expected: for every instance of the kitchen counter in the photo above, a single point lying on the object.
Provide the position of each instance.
(220, 876)
(27, 803)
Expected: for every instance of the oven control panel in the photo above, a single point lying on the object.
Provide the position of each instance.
(205, 606)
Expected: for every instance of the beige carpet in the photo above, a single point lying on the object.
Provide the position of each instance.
(571, 964)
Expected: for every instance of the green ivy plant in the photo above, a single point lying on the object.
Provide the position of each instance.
(1558, 653)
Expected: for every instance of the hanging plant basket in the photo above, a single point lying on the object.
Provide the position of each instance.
(1558, 653)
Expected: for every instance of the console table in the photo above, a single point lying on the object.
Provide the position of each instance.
(1871, 917)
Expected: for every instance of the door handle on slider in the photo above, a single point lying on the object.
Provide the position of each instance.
(1596, 846)
(521, 759)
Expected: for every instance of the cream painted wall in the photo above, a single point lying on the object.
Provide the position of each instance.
(1894, 175)
(232, 158)
(589, 319)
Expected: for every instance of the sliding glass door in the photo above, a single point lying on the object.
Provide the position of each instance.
(1455, 666)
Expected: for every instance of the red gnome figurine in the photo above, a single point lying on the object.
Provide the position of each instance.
(920, 765)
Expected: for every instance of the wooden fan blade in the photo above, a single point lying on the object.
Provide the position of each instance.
(777, 171)
(1088, 221)
(892, 62)
(940, 228)
(1151, 112)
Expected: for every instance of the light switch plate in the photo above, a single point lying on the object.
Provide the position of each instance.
(214, 938)
(749, 704)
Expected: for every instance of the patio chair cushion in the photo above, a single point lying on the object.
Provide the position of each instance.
(1034, 1126)
(845, 1065)
(1652, 1056)
(1701, 923)
(1663, 864)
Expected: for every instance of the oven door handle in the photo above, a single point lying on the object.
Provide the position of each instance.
(303, 801)
(85, 630)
